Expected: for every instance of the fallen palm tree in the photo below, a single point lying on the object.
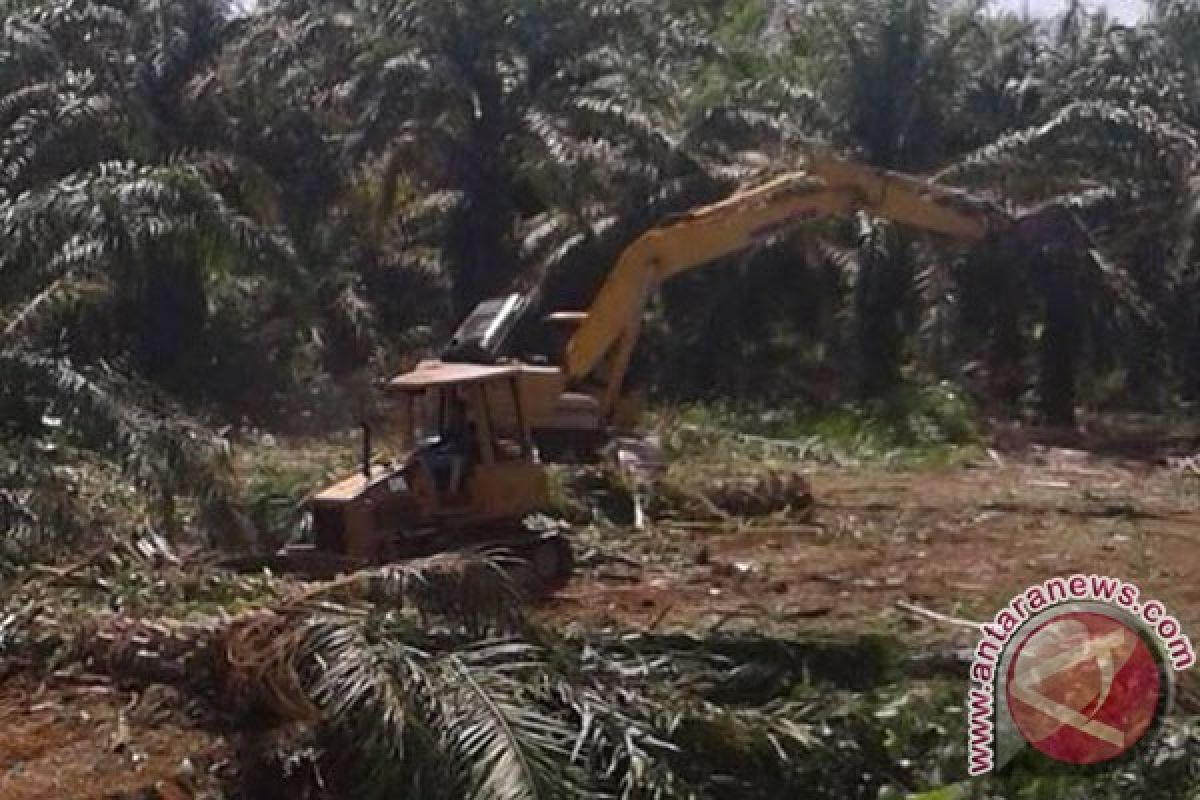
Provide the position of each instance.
(686, 491)
(427, 679)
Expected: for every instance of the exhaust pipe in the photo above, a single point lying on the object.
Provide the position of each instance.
(366, 450)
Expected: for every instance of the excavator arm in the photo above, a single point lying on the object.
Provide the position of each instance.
(605, 338)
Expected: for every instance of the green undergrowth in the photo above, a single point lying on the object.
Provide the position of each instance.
(888, 722)
(278, 477)
(921, 730)
(58, 505)
(914, 427)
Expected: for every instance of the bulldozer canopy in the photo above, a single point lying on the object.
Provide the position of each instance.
(439, 374)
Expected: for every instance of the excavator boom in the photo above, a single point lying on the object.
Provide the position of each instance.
(827, 188)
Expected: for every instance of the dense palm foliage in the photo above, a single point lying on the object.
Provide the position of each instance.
(217, 213)
(115, 233)
(215, 217)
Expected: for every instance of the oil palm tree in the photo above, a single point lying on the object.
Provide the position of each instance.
(1106, 135)
(518, 126)
(896, 83)
(106, 223)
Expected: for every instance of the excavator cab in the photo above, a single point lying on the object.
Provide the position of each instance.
(468, 475)
(484, 336)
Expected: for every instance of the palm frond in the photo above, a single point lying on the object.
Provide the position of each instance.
(462, 723)
(492, 723)
(1113, 133)
(473, 591)
(43, 313)
(40, 510)
(169, 459)
(87, 219)
(369, 695)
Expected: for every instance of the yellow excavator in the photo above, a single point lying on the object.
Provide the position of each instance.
(584, 399)
(471, 472)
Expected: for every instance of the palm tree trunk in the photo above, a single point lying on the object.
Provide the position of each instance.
(880, 295)
(1006, 350)
(1060, 345)
(1187, 351)
(483, 262)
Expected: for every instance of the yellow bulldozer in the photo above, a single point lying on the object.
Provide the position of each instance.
(470, 470)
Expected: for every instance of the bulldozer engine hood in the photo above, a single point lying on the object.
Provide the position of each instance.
(393, 479)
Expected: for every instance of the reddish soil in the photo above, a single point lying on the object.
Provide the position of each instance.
(92, 741)
(960, 542)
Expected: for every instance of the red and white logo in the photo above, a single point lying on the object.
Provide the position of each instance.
(1083, 687)
(1079, 667)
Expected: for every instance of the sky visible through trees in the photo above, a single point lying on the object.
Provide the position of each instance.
(1128, 11)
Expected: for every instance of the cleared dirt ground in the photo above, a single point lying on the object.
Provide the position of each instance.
(880, 547)
(960, 542)
(76, 739)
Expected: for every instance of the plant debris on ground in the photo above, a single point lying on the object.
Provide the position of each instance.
(754, 638)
